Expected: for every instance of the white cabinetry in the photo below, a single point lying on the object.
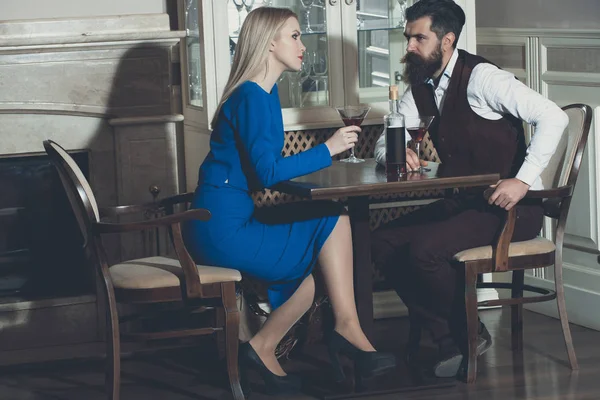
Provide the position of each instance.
(353, 53)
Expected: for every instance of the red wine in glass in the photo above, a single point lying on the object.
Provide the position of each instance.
(353, 115)
(352, 121)
(416, 127)
(417, 134)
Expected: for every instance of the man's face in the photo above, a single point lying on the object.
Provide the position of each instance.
(423, 52)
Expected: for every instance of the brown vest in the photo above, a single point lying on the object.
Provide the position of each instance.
(466, 142)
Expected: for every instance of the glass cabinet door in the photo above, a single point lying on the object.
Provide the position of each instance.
(308, 87)
(193, 85)
(378, 45)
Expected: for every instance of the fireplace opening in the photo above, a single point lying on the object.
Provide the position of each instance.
(41, 253)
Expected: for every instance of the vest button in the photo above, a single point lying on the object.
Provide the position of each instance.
(443, 139)
(449, 155)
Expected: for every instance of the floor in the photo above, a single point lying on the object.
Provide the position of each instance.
(179, 375)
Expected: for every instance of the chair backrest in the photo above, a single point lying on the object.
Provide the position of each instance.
(563, 167)
(78, 189)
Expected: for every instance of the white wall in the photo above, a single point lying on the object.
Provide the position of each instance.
(34, 9)
(568, 14)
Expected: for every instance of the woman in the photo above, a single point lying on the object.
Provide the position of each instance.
(245, 155)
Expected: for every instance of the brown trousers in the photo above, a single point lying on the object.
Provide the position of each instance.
(415, 253)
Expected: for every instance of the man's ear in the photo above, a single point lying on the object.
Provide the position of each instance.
(448, 40)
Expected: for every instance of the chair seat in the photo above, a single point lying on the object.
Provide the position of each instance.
(538, 245)
(162, 272)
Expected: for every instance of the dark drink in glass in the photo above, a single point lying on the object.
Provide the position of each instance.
(417, 127)
(417, 134)
(395, 150)
(353, 115)
(352, 121)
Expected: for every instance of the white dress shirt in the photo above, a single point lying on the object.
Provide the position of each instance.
(492, 92)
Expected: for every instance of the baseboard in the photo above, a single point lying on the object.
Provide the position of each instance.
(583, 306)
(387, 304)
(487, 294)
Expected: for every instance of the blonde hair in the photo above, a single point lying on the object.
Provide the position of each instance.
(260, 28)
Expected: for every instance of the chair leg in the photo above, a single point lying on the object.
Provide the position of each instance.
(232, 326)
(221, 341)
(113, 354)
(562, 310)
(516, 311)
(472, 322)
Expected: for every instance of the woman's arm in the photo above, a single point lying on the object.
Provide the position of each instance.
(258, 140)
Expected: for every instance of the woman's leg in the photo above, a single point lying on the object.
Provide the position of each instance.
(337, 267)
(279, 323)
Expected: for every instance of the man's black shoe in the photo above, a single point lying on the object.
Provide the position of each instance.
(484, 339)
(450, 357)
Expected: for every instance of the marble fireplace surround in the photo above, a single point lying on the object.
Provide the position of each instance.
(103, 84)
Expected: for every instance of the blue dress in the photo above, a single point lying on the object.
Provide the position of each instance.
(245, 155)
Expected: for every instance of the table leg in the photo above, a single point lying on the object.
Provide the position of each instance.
(358, 209)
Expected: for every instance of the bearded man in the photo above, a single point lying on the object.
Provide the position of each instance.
(479, 111)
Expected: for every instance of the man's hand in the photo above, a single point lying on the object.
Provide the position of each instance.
(508, 193)
(412, 160)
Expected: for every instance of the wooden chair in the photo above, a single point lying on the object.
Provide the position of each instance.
(178, 282)
(559, 180)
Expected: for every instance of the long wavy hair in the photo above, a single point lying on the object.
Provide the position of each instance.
(261, 26)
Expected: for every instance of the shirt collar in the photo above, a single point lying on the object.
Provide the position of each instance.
(445, 79)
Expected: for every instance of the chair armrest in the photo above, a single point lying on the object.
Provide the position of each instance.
(560, 192)
(166, 203)
(116, 211)
(501, 243)
(107, 227)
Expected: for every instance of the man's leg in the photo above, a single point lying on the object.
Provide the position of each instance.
(426, 281)
(390, 250)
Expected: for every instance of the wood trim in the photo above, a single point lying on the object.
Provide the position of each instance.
(570, 79)
(564, 33)
(77, 41)
(157, 119)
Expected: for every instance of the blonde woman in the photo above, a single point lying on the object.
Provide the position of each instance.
(245, 155)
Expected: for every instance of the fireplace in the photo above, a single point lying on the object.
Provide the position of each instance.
(105, 84)
(41, 253)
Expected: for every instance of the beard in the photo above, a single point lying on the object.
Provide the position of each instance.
(417, 69)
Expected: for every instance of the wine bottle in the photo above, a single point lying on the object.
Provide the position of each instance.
(395, 137)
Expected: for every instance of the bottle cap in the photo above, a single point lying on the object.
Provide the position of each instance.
(393, 92)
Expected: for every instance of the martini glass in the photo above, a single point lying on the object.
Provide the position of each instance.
(416, 128)
(353, 115)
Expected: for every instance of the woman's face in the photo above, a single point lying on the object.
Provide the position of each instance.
(287, 48)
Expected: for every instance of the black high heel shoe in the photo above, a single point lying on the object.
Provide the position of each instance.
(274, 384)
(366, 363)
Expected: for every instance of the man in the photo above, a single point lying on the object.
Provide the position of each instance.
(478, 128)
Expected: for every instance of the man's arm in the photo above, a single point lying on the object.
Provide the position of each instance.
(501, 92)
(407, 108)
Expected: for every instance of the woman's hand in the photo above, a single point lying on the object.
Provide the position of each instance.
(343, 139)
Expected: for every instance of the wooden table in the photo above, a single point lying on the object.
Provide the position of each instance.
(357, 182)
